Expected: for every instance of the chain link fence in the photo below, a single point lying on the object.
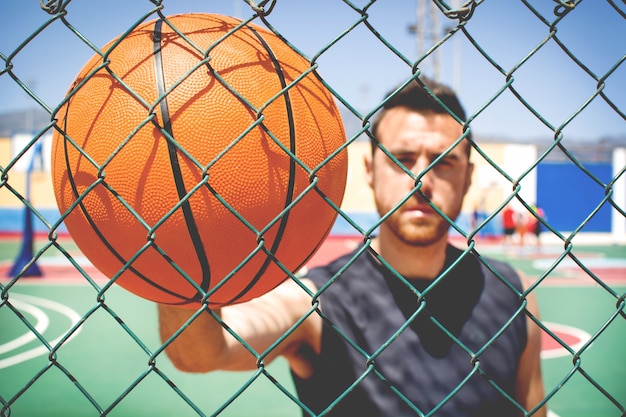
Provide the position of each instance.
(369, 34)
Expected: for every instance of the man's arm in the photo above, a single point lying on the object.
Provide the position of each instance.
(529, 388)
(206, 346)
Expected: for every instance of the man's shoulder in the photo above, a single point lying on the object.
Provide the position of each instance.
(355, 262)
(487, 266)
(501, 271)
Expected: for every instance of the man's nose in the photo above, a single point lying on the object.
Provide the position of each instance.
(424, 179)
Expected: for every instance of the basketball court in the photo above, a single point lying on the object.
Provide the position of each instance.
(109, 360)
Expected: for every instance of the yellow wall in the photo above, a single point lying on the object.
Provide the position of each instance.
(41, 183)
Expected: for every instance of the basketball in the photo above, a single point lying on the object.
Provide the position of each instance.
(195, 161)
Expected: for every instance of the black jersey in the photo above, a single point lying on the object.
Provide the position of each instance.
(385, 353)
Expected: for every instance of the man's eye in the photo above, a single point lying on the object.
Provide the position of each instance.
(445, 163)
(407, 162)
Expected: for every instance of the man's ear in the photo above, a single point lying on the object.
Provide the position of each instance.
(369, 175)
(468, 179)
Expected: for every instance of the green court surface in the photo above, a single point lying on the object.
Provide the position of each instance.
(108, 365)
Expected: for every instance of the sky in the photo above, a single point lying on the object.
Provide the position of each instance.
(362, 69)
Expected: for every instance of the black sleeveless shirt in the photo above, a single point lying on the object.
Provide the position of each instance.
(384, 353)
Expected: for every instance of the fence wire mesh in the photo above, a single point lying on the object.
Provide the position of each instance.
(60, 28)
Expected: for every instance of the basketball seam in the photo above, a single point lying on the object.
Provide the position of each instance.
(190, 221)
(292, 168)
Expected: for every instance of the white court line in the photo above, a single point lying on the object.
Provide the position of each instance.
(72, 315)
(42, 324)
(561, 351)
(555, 353)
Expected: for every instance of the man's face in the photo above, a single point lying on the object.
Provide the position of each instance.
(416, 140)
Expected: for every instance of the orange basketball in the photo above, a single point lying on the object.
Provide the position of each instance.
(198, 167)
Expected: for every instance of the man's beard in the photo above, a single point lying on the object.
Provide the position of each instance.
(418, 233)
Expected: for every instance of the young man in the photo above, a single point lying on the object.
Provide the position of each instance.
(377, 347)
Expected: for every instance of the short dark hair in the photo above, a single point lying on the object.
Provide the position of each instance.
(415, 97)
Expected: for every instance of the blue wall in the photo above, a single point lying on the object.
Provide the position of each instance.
(568, 195)
(12, 220)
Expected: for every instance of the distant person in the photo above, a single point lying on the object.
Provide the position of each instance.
(475, 217)
(366, 305)
(509, 224)
(534, 225)
(521, 228)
